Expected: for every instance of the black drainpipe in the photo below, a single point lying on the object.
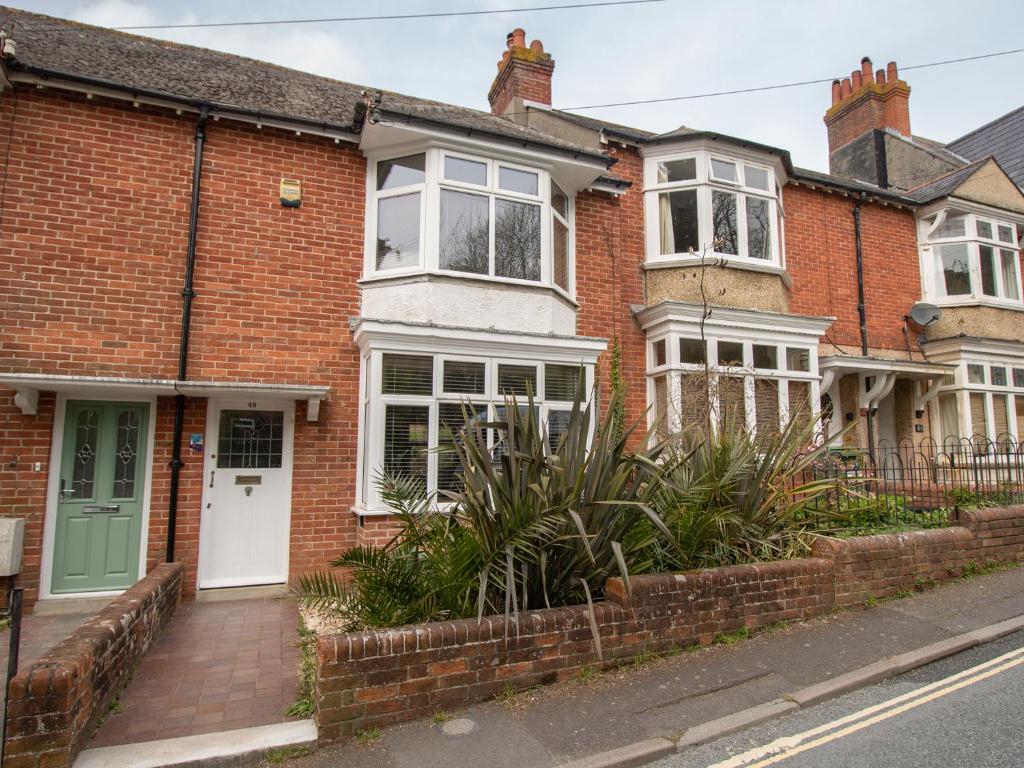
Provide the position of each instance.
(862, 310)
(187, 295)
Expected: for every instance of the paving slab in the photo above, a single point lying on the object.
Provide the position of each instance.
(663, 700)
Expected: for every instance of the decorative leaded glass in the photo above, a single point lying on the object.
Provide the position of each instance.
(83, 476)
(127, 454)
(250, 440)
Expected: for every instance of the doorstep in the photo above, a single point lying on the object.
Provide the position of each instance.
(65, 606)
(223, 594)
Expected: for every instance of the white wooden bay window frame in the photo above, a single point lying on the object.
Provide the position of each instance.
(504, 192)
(555, 364)
(703, 199)
(970, 258)
(982, 401)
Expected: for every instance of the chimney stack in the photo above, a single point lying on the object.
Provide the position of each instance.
(866, 101)
(524, 73)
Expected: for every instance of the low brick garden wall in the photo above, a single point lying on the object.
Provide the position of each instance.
(378, 678)
(56, 702)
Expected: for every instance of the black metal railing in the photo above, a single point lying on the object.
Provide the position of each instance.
(13, 615)
(915, 485)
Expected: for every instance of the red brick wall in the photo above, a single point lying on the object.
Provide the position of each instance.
(382, 677)
(56, 702)
(609, 277)
(874, 106)
(822, 261)
(92, 253)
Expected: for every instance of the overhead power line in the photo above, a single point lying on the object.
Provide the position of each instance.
(387, 17)
(778, 86)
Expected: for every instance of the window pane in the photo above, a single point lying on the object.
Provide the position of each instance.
(952, 227)
(692, 351)
(694, 401)
(517, 379)
(1018, 381)
(661, 405)
(1006, 234)
(467, 171)
(1000, 416)
(516, 240)
(465, 232)
(559, 200)
(984, 229)
(730, 353)
(401, 171)
(979, 424)
(1011, 290)
(464, 377)
(949, 415)
(659, 352)
(451, 421)
(766, 406)
(988, 269)
(759, 234)
(755, 177)
(677, 215)
(558, 424)
(799, 401)
(514, 180)
(250, 439)
(406, 431)
(127, 454)
(731, 402)
(975, 373)
(723, 219)
(87, 432)
(398, 232)
(499, 441)
(955, 267)
(561, 254)
(677, 170)
(407, 375)
(998, 374)
(798, 359)
(720, 169)
(561, 381)
(766, 357)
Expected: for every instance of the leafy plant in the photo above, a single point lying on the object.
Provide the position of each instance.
(303, 705)
(731, 497)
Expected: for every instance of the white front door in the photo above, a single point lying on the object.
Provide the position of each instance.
(247, 491)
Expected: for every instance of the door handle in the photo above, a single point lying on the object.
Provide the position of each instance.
(64, 490)
(211, 477)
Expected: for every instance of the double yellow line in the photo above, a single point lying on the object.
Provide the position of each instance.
(789, 746)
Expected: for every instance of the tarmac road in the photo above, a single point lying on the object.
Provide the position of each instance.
(967, 710)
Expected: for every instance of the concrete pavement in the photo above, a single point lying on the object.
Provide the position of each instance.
(671, 697)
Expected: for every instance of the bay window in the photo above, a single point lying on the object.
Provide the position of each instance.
(417, 404)
(447, 212)
(983, 402)
(701, 202)
(971, 258)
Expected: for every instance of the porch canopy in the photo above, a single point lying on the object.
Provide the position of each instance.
(27, 387)
(884, 374)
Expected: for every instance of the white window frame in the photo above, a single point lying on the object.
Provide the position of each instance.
(430, 214)
(963, 388)
(705, 183)
(933, 278)
(372, 439)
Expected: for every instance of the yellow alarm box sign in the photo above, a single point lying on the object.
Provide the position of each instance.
(291, 193)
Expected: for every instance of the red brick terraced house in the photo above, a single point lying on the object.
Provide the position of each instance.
(232, 292)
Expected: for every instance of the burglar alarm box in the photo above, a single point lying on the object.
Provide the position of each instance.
(291, 193)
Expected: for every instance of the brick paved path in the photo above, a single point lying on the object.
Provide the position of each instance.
(218, 666)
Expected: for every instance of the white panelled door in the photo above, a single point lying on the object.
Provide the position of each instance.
(247, 489)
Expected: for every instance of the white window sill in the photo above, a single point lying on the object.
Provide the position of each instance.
(1013, 306)
(480, 280)
(723, 261)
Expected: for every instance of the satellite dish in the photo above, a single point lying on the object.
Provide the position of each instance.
(924, 314)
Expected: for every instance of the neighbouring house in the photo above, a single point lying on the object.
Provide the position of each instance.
(233, 292)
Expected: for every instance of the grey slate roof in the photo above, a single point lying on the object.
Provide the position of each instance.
(613, 129)
(53, 45)
(945, 185)
(851, 185)
(1003, 138)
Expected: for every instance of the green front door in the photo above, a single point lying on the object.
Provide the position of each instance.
(99, 507)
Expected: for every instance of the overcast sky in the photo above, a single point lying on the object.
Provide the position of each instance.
(672, 48)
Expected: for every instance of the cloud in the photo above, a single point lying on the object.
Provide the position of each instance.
(303, 47)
